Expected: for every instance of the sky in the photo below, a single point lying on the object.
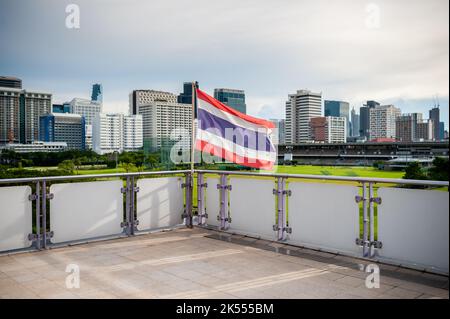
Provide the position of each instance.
(392, 51)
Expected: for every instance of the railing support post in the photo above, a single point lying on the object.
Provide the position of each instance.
(38, 215)
(365, 242)
(128, 206)
(201, 200)
(189, 196)
(372, 220)
(223, 214)
(132, 201)
(44, 214)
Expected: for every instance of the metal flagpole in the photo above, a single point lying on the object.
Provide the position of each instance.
(194, 96)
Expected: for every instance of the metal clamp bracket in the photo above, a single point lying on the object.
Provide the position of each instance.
(203, 185)
(50, 234)
(227, 219)
(50, 196)
(219, 186)
(286, 229)
(287, 192)
(124, 190)
(124, 224)
(205, 215)
(33, 237)
(377, 244)
(33, 197)
(136, 189)
(361, 242)
(376, 200)
(359, 199)
(185, 185)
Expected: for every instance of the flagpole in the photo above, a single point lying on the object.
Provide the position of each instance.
(193, 126)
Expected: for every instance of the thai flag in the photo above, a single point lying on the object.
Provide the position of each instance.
(233, 136)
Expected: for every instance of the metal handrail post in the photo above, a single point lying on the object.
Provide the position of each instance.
(365, 220)
(200, 200)
(38, 215)
(132, 201)
(44, 214)
(189, 196)
(223, 201)
(372, 220)
(280, 211)
(127, 207)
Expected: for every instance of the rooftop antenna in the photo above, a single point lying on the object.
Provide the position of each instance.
(437, 100)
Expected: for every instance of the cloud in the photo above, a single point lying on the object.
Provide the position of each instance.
(267, 48)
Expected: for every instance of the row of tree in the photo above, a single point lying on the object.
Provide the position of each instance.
(439, 171)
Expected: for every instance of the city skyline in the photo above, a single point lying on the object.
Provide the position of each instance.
(395, 62)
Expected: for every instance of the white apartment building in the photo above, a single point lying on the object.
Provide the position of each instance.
(328, 129)
(165, 121)
(116, 133)
(37, 146)
(382, 121)
(301, 107)
(132, 132)
(337, 129)
(89, 109)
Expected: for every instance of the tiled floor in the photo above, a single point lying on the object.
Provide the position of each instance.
(196, 263)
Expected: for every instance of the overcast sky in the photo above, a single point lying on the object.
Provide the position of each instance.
(392, 51)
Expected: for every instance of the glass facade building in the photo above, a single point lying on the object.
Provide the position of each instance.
(59, 127)
(232, 98)
(338, 109)
(97, 92)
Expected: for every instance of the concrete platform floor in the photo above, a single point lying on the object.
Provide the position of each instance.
(198, 263)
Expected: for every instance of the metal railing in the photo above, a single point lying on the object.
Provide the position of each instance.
(367, 199)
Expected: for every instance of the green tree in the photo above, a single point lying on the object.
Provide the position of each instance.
(439, 170)
(67, 166)
(414, 171)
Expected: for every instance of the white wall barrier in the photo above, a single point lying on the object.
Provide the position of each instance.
(413, 227)
(159, 202)
(324, 216)
(85, 210)
(15, 217)
(252, 207)
(212, 202)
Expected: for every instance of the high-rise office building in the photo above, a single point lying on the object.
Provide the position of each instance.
(232, 98)
(354, 125)
(280, 126)
(364, 118)
(19, 114)
(161, 116)
(435, 117)
(186, 96)
(97, 93)
(116, 133)
(425, 130)
(61, 108)
(301, 107)
(329, 129)
(338, 109)
(441, 130)
(132, 133)
(89, 110)
(382, 121)
(63, 127)
(10, 82)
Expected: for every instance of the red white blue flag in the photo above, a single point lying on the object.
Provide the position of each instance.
(231, 135)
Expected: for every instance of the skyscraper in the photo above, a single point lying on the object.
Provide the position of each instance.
(301, 107)
(161, 116)
(338, 109)
(61, 108)
(89, 110)
(328, 129)
(364, 118)
(232, 98)
(19, 114)
(10, 82)
(354, 125)
(435, 117)
(97, 93)
(382, 121)
(63, 127)
(116, 133)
